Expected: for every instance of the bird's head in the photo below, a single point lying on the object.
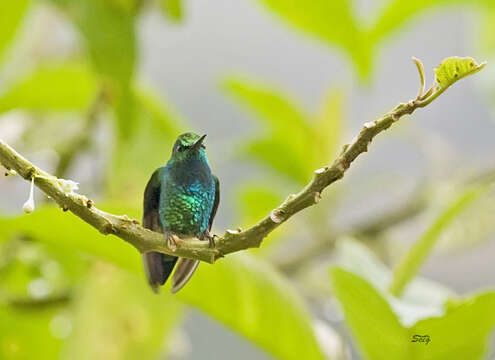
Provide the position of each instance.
(188, 146)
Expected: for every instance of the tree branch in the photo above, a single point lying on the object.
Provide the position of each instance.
(233, 240)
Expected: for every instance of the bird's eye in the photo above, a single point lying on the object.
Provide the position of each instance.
(181, 148)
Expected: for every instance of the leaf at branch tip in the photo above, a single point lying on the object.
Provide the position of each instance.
(453, 69)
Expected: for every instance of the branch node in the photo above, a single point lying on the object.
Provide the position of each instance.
(369, 125)
(89, 203)
(341, 166)
(276, 216)
(107, 229)
(321, 170)
(317, 197)
(30, 173)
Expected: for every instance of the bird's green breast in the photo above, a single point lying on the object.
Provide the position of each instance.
(186, 202)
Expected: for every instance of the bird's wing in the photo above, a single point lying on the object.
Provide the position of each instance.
(215, 202)
(186, 267)
(183, 272)
(151, 203)
(157, 266)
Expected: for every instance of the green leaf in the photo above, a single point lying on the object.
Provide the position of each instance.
(249, 296)
(172, 9)
(255, 201)
(396, 13)
(471, 227)
(285, 147)
(51, 88)
(118, 317)
(410, 264)
(163, 117)
(108, 30)
(370, 318)
(276, 109)
(337, 24)
(279, 155)
(423, 298)
(453, 69)
(334, 22)
(381, 336)
(11, 15)
(469, 323)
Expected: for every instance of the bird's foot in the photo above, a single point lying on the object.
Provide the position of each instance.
(171, 242)
(211, 238)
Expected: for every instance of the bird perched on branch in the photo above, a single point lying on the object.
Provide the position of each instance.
(181, 198)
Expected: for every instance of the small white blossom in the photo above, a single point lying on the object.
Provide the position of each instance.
(68, 186)
(29, 204)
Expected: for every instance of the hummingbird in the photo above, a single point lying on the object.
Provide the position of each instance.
(181, 198)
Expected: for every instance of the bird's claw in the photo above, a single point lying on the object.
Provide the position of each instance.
(211, 238)
(171, 242)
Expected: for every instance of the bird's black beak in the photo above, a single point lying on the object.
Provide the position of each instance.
(198, 142)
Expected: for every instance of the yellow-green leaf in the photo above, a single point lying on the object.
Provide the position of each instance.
(11, 14)
(372, 322)
(453, 69)
(334, 22)
(380, 335)
(55, 87)
(172, 9)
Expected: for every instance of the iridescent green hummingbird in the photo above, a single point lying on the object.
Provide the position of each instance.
(180, 198)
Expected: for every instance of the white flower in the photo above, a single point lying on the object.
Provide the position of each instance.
(29, 204)
(68, 186)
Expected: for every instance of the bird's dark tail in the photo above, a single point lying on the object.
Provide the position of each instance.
(158, 268)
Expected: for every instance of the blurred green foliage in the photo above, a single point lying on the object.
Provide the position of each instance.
(68, 292)
(388, 339)
(337, 24)
(11, 15)
(50, 88)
